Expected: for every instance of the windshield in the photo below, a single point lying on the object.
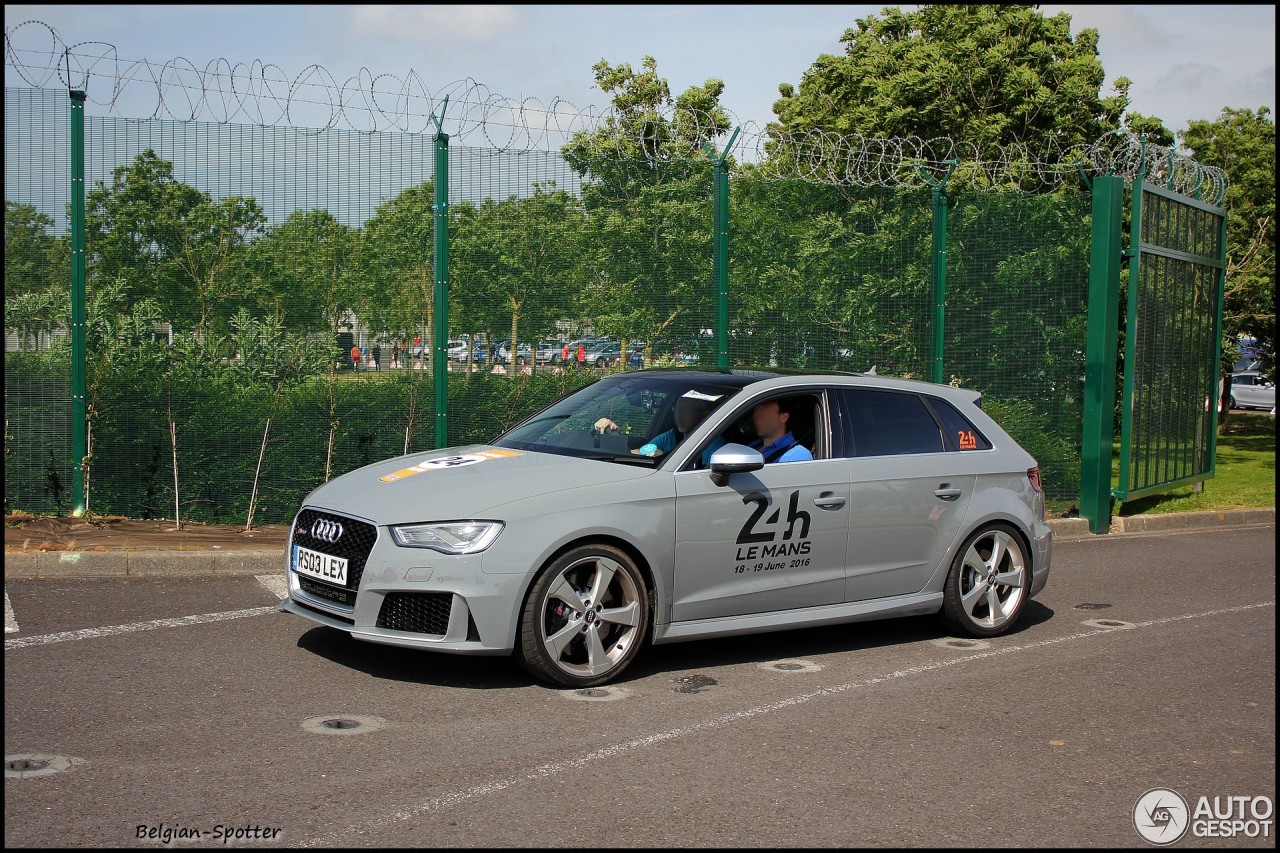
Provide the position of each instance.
(633, 419)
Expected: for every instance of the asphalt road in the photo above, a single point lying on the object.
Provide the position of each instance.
(878, 734)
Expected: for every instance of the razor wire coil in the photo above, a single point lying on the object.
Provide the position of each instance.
(264, 94)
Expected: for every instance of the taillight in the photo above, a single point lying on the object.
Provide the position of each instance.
(1033, 474)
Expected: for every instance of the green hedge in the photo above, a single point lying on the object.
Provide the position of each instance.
(219, 432)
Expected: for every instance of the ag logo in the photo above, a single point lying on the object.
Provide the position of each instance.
(1161, 816)
(748, 535)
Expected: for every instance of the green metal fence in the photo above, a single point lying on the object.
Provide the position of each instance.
(1174, 336)
(232, 269)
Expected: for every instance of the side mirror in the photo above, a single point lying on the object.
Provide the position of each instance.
(734, 459)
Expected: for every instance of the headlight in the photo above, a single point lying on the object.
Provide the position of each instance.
(452, 537)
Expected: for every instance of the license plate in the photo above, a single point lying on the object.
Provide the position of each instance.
(324, 567)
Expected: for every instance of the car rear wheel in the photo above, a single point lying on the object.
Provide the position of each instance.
(988, 583)
(585, 618)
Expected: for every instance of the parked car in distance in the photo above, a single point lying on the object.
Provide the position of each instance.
(548, 352)
(602, 353)
(456, 349)
(1252, 390)
(524, 353)
(632, 512)
(459, 348)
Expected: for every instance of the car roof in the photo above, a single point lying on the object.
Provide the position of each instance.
(740, 377)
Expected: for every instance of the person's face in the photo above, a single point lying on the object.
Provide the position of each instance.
(770, 421)
(689, 413)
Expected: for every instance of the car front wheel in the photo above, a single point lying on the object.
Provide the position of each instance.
(988, 583)
(585, 618)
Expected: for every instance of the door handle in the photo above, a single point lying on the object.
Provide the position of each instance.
(829, 500)
(946, 493)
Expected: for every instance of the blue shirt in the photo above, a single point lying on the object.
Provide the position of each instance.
(795, 452)
(666, 442)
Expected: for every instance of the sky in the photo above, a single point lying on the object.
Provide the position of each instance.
(1186, 62)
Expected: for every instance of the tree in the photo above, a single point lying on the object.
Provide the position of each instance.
(648, 204)
(35, 261)
(160, 237)
(1243, 143)
(520, 259)
(990, 75)
(37, 275)
(308, 264)
(398, 257)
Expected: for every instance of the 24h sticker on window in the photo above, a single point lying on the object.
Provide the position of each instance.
(447, 462)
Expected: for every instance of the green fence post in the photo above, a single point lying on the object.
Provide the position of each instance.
(1214, 394)
(440, 314)
(79, 419)
(1100, 353)
(720, 247)
(938, 258)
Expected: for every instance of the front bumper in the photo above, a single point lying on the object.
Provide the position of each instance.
(447, 603)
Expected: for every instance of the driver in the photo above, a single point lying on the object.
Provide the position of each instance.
(691, 409)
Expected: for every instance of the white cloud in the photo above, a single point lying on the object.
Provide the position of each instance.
(1190, 78)
(1127, 25)
(435, 23)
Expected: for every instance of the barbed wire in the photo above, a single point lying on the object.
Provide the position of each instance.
(314, 101)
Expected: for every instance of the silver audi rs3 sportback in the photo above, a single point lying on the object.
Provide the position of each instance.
(663, 505)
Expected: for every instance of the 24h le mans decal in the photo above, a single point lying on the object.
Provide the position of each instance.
(763, 544)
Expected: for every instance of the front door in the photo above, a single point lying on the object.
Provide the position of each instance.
(772, 539)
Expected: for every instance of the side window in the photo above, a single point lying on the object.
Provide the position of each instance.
(1242, 380)
(890, 423)
(960, 433)
(807, 425)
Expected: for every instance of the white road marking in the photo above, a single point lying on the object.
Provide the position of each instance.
(558, 767)
(94, 633)
(10, 619)
(275, 584)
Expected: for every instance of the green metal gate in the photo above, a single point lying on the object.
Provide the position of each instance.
(1173, 340)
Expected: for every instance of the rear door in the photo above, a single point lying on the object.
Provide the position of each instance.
(910, 489)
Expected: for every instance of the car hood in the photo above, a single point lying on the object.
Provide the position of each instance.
(461, 483)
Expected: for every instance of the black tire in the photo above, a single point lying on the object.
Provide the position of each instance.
(521, 361)
(1231, 403)
(967, 599)
(593, 649)
(600, 362)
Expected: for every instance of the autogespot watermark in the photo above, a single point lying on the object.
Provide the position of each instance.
(221, 834)
(1163, 817)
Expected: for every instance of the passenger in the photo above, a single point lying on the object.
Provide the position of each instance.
(691, 409)
(776, 443)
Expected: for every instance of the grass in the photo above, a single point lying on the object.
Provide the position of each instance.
(1244, 476)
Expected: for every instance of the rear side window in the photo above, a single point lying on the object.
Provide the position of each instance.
(960, 433)
(888, 423)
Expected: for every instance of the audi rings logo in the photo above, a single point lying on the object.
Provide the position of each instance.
(326, 530)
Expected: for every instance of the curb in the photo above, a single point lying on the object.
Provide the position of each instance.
(141, 564)
(31, 565)
(1078, 528)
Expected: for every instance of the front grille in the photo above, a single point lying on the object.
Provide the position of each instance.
(416, 612)
(354, 545)
(336, 594)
